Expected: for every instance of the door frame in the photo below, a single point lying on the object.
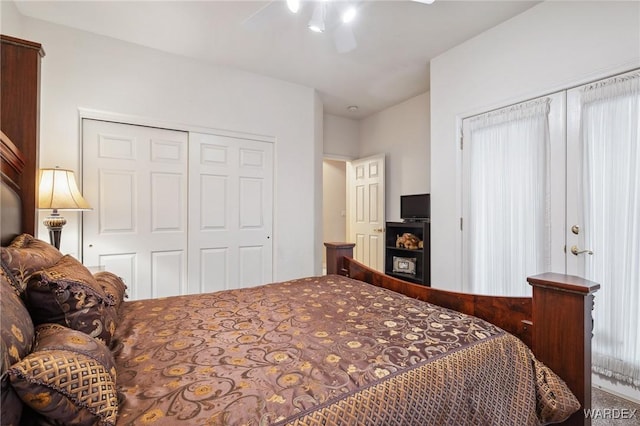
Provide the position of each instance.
(325, 189)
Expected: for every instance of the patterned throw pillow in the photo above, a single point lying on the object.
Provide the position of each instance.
(10, 404)
(112, 285)
(69, 378)
(17, 327)
(15, 343)
(68, 294)
(25, 256)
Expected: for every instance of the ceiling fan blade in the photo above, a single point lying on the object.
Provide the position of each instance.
(265, 17)
(344, 39)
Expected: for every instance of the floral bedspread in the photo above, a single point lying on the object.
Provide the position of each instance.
(324, 350)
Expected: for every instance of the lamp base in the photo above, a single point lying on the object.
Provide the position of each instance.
(54, 224)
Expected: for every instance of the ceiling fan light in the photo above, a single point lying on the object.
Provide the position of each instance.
(293, 5)
(316, 24)
(349, 14)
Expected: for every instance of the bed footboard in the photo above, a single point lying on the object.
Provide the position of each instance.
(555, 322)
(562, 331)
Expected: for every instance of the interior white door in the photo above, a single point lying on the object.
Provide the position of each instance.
(366, 209)
(135, 177)
(230, 212)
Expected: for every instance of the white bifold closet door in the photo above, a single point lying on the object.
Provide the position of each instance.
(176, 212)
(135, 178)
(230, 212)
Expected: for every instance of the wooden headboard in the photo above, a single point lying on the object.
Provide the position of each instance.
(12, 166)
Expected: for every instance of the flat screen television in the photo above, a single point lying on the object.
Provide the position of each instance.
(415, 208)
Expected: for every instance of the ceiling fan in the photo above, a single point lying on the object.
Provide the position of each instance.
(324, 16)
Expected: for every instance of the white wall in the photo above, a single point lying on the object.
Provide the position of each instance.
(82, 70)
(10, 19)
(340, 141)
(402, 133)
(341, 137)
(552, 46)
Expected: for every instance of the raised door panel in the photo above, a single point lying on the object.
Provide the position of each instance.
(214, 273)
(117, 208)
(360, 247)
(167, 272)
(167, 212)
(116, 147)
(124, 265)
(374, 247)
(361, 203)
(213, 202)
(251, 205)
(372, 206)
(251, 266)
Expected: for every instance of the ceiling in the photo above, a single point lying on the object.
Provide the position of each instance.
(395, 40)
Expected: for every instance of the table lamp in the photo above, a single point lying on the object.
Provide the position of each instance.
(58, 191)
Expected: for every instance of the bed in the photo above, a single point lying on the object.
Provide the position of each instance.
(352, 347)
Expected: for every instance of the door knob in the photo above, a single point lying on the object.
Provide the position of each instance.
(576, 251)
(378, 230)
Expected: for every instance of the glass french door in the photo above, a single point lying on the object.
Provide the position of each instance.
(589, 208)
(603, 215)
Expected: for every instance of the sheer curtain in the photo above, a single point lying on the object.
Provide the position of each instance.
(506, 233)
(610, 145)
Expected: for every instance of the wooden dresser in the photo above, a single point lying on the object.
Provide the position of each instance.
(19, 113)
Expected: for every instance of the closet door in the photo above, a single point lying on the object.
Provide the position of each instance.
(135, 178)
(230, 212)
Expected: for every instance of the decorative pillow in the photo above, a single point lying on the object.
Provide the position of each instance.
(69, 378)
(68, 294)
(16, 341)
(25, 256)
(112, 285)
(17, 327)
(10, 403)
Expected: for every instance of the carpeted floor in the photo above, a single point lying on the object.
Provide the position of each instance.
(620, 407)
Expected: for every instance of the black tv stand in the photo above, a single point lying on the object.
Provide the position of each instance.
(416, 220)
(421, 256)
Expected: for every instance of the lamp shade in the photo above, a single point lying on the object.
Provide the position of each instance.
(58, 190)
